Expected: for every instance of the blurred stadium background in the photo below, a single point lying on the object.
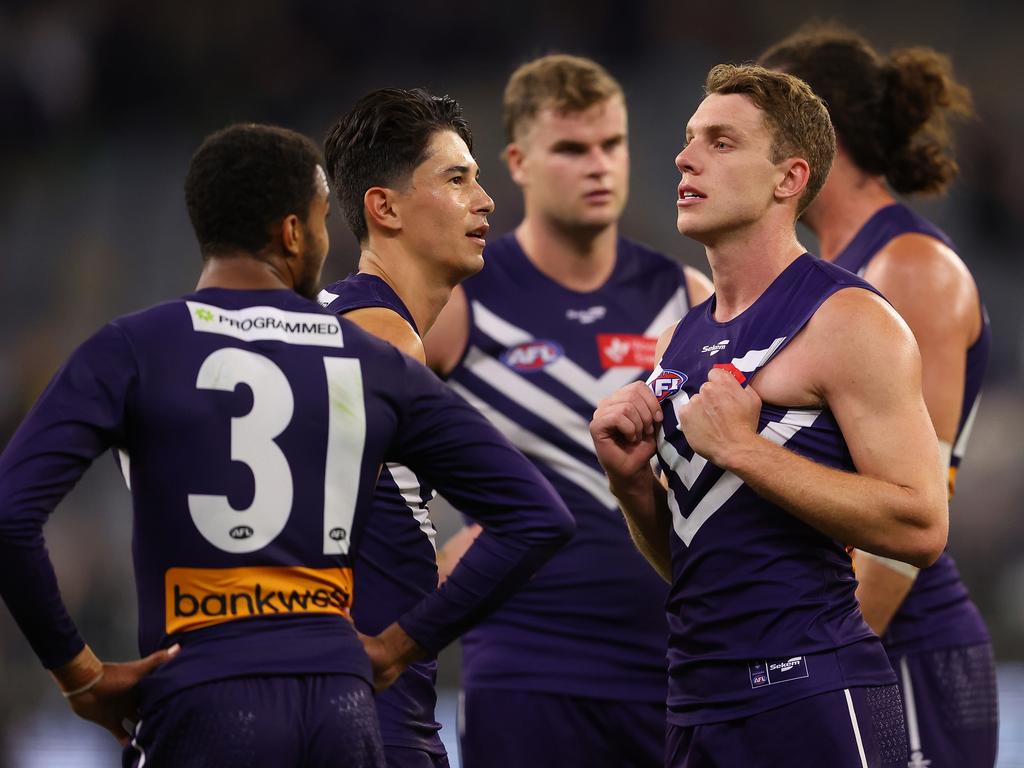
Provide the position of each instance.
(103, 102)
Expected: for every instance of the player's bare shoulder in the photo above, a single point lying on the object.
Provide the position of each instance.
(855, 334)
(388, 325)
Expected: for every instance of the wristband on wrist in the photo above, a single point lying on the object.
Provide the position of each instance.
(83, 688)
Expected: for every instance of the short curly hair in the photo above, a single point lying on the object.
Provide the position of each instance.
(242, 180)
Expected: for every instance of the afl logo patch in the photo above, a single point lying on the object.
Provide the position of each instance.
(667, 383)
(531, 356)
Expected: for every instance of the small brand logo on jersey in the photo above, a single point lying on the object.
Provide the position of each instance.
(531, 356)
(626, 350)
(714, 349)
(586, 316)
(772, 671)
(667, 384)
(240, 532)
(732, 369)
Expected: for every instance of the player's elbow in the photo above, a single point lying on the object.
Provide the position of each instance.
(928, 541)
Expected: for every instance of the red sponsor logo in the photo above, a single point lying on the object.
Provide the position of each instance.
(629, 350)
(730, 368)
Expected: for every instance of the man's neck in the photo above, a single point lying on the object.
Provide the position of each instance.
(577, 259)
(242, 271)
(422, 289)
(745, 264)
(844, 205)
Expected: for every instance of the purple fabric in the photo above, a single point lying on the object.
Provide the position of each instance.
(752, 585)
(951, 706)
(539, 357)
(512, 729)
(816, 731)
(316, 721)
(938, 612)
(134, 386)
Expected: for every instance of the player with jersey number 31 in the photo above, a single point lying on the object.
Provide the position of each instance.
(787, 417)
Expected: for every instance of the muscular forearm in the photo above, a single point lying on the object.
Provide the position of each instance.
(882, 586)
(887, 519)
(644, 505)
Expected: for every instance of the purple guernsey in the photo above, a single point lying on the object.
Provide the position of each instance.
(762, 609)
(397, 562)
(538, 359)
(938, 612)
(251, 425)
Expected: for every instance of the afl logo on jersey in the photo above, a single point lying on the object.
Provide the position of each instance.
(531, 356)
(667, 383)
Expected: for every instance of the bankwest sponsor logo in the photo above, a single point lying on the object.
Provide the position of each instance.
(267, 324)
(626, 350)
(201, 597)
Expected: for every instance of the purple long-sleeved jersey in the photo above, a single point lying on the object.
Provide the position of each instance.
(252, 425)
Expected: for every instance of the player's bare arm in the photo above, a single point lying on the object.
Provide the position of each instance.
(917, 273)
(624, 430)
(388, 325)
(868, 374)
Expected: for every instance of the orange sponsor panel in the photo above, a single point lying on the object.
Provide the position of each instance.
(201, 597)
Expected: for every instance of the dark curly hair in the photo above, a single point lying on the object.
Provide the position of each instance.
(892, 114)
(244, 178)
(382, 140)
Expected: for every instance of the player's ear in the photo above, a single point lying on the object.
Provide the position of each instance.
(379, 209)
(292, 234)
(513, 155)
(796, 174)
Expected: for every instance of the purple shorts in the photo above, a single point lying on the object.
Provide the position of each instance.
(312, 721)
(524, 729)
(951, 705)
(850, 728)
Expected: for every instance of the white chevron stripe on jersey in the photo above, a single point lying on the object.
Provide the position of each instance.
(125, 463)
(779, 432)
(571, 469)
(412, 492)
(530, 397)
(565, 370)
(965, 434)
(756, 358)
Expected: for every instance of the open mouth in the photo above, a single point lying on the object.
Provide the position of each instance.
(689, 196)
(479, 235)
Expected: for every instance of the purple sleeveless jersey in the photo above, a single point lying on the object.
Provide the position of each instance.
(251, 425)
(762, 609)
(938, 612)
(397, 561)
(538, 359)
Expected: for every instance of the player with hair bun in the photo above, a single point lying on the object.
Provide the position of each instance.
(893, 115)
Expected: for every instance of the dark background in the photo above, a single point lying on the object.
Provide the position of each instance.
(102, 104)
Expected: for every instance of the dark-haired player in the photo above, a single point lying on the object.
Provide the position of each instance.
(571, 671)
(891, 114)
(251, 425)
(402, 166)
(787, 416)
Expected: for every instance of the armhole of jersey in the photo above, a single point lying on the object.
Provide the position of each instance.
(799, 327)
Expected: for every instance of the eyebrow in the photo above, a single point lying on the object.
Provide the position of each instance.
(462, 169)
(717, 129)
